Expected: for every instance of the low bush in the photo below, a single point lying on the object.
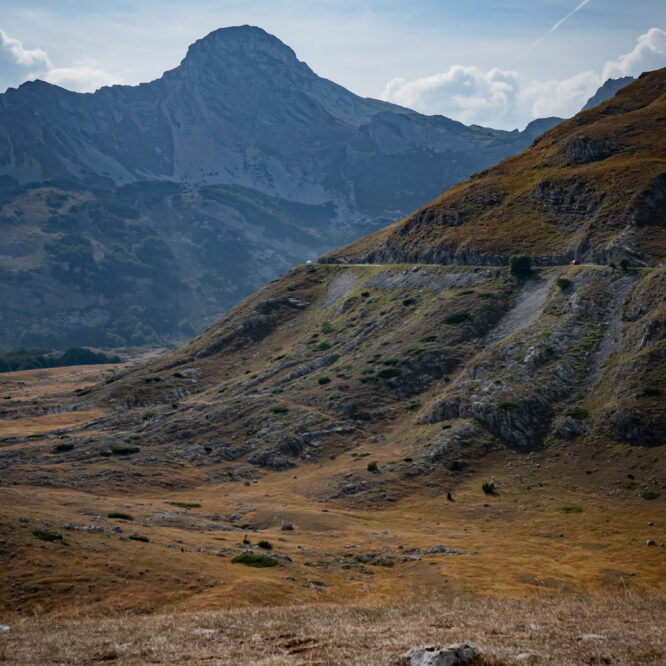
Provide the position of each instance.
(147, 415)
(372, 466)
(429, 338)
(138, 537)
(507, 405)
(252, 560)
(278, 409)
(327, 328)
(120, 515)
(520, 265)
(457, 317)
(266, 545)
(409, 301)
(152, 380)
(570, 508)
(413, 407)
(563, 283)
(186, 505)
(125, 450)
(324, 380)
(323, 346)
(388, 373)
(46, 535)
(454, 465)
(488, 488)
(577, 413)
(62, 448)
(650, 495)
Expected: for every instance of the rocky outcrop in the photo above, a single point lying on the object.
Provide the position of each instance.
(435, 655)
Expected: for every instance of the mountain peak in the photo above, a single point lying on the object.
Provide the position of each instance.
(606, 91)
(244, 42)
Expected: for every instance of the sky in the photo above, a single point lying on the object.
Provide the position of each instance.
(496, 63)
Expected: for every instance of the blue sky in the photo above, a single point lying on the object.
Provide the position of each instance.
(495, 63)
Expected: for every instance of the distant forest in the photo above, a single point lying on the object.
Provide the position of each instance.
(31, 359)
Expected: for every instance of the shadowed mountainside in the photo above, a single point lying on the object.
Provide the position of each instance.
(135, 214)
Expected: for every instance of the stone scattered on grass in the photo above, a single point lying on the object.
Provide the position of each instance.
(434, 655)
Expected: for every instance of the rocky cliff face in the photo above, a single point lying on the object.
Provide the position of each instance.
(196, 188)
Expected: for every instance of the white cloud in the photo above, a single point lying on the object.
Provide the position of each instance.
(499, 98)
(23, 56)
(466, 93)
(648, 54)
(82, 76)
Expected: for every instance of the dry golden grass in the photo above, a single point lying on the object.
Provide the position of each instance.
(631, 631)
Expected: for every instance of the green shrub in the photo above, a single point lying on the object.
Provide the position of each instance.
(413, 407)
(409, 301)
(152, 380)
(387, 373)
(577, 413)
(252, 560)
(266, 545)
(429, 338)
(62, 448)
(324, 380)
(454, 465)
(147, 415)
(327, 328)
(408, 460)
(570, 508)
(457, 317)
(46, 535)
(507, 405)
(652, 392)
(120, 515)
(611, 264)
(563, 283)
(649, 495)
(125, 450)
(278, 409)
(186, 505)
(625, 264)
(520, 265)
(449, 497)
(488, 487)
(137, 537)
(372, 466)
(323, 346)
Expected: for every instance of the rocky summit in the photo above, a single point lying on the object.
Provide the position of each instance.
(137, 214)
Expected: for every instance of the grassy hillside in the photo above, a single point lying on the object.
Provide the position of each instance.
(421, 428)
(593, 188)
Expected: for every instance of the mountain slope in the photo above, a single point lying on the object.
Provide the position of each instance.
(606, 91)
(593, 188)
(199, 186)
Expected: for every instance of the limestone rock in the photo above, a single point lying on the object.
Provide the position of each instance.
(434, 655)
